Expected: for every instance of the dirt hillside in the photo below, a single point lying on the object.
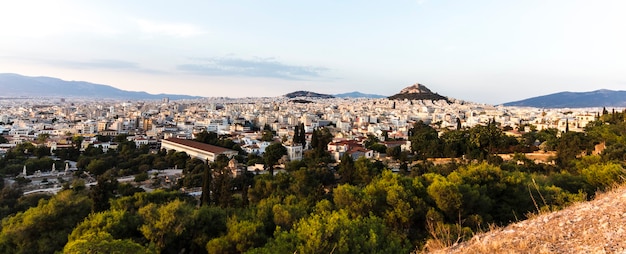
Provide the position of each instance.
(597, 226)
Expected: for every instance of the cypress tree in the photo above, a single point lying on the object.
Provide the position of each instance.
(205, 198)
(296, 135)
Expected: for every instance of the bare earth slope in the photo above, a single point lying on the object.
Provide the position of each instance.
(598, 226)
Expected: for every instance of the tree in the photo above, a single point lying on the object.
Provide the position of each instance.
(424, 141)
(301, 135)
(207, 178)
(102, 242)
(454, 143)
(77, 141)
(337, 232)
(98, 166)
(103, 191)
(44, 229)
(207, 137)
(222, 182)
(320, 139)
(296, 135)
(43, 137)
(9, 199)
(241, 236)
(118, 224)
(446, 195)
(41, 150)
(347, 169)
(569, 146)
(267, 134)
(272, 154)
(371, 140)
(603, 176)
(485, 139)
(394, 152)
(164, 223)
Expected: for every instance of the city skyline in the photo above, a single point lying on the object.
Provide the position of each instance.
(482, 51)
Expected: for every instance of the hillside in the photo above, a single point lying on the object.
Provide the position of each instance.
(597, 226)
(417, 92)
(308, 94)
(598, 98)
(15, 85)
(356, 94)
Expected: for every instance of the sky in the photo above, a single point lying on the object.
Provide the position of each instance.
(481, 51)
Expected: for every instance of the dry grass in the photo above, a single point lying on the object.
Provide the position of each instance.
(597, 226)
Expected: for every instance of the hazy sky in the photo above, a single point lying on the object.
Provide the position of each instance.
(483, 51)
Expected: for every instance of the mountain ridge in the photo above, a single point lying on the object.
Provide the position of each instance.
(596, 98)
(356, 94)
(16, 85)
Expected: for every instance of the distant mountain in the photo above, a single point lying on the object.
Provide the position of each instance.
(15, 85)
(417, 92)
(308, 94)
(356, 94)
(598, 98)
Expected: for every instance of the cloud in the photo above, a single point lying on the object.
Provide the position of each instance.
(169, 29)
(109, 64)
(258, 67)
(102, 64)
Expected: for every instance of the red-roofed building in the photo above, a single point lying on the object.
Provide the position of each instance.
(196, 149)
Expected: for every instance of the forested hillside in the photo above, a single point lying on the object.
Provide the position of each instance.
(316, 205)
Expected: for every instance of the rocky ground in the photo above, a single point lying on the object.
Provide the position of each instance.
(597, 226)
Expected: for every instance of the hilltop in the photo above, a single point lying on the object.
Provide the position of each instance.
(356, 94)
(308, 94)
(597, 226)
(417, 92)
(15, 85)
(598, 98)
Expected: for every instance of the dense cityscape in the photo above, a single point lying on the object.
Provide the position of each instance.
(278, 174)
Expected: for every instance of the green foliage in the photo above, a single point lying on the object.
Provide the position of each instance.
(425, 141)
(394, 152)
(102, 242)
(336, 232)
(303, 210)
(164, 223)
(485, 140)
(447, 196)
(272, 154)
(105, 189)
(44, 229)
(117, 224)
(141, 199)
(603, 176)
(299, 136)
(208, 222)
(319, 141)
(365, 171)
(571, 145)
(9, 197)
(347, 169)
(241, 236)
